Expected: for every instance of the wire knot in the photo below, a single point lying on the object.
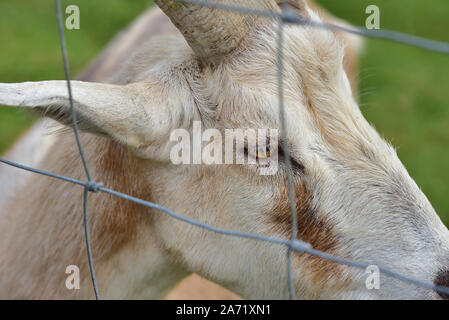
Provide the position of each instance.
(300, 246)
(93, 186)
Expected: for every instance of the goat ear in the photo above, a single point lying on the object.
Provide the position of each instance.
(132, 114)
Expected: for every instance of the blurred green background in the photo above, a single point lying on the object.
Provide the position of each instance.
(404, 91)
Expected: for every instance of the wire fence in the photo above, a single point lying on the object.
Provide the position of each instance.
(286, 16)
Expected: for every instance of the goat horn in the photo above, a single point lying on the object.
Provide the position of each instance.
(212, 32)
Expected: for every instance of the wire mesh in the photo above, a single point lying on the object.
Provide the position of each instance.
(286, 16)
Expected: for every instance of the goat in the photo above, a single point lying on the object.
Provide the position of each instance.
(354, 198)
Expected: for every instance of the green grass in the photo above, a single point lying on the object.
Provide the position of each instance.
(30, 45)
(405, 91)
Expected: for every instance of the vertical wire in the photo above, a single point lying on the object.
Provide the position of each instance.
(80, 148)
(89, 249)
(285, 147)
(69, 87)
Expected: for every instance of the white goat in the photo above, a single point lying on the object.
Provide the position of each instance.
(354, 197)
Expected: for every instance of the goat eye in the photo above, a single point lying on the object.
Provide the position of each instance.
(263, 155)
(258, 154)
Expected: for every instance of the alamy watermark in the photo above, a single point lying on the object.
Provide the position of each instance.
(373, 279)
(72, 282)
(373, 20)
(239, 146)
(72, 22)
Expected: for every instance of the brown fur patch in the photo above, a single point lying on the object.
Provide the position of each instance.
(44, 223)
(443, 280)
(118, 219)
(312, 228)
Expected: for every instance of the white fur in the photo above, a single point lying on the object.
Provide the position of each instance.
(376, 212)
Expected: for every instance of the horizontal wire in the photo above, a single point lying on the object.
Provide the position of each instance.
(42, 172)
(288, 16)
(296, 245)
